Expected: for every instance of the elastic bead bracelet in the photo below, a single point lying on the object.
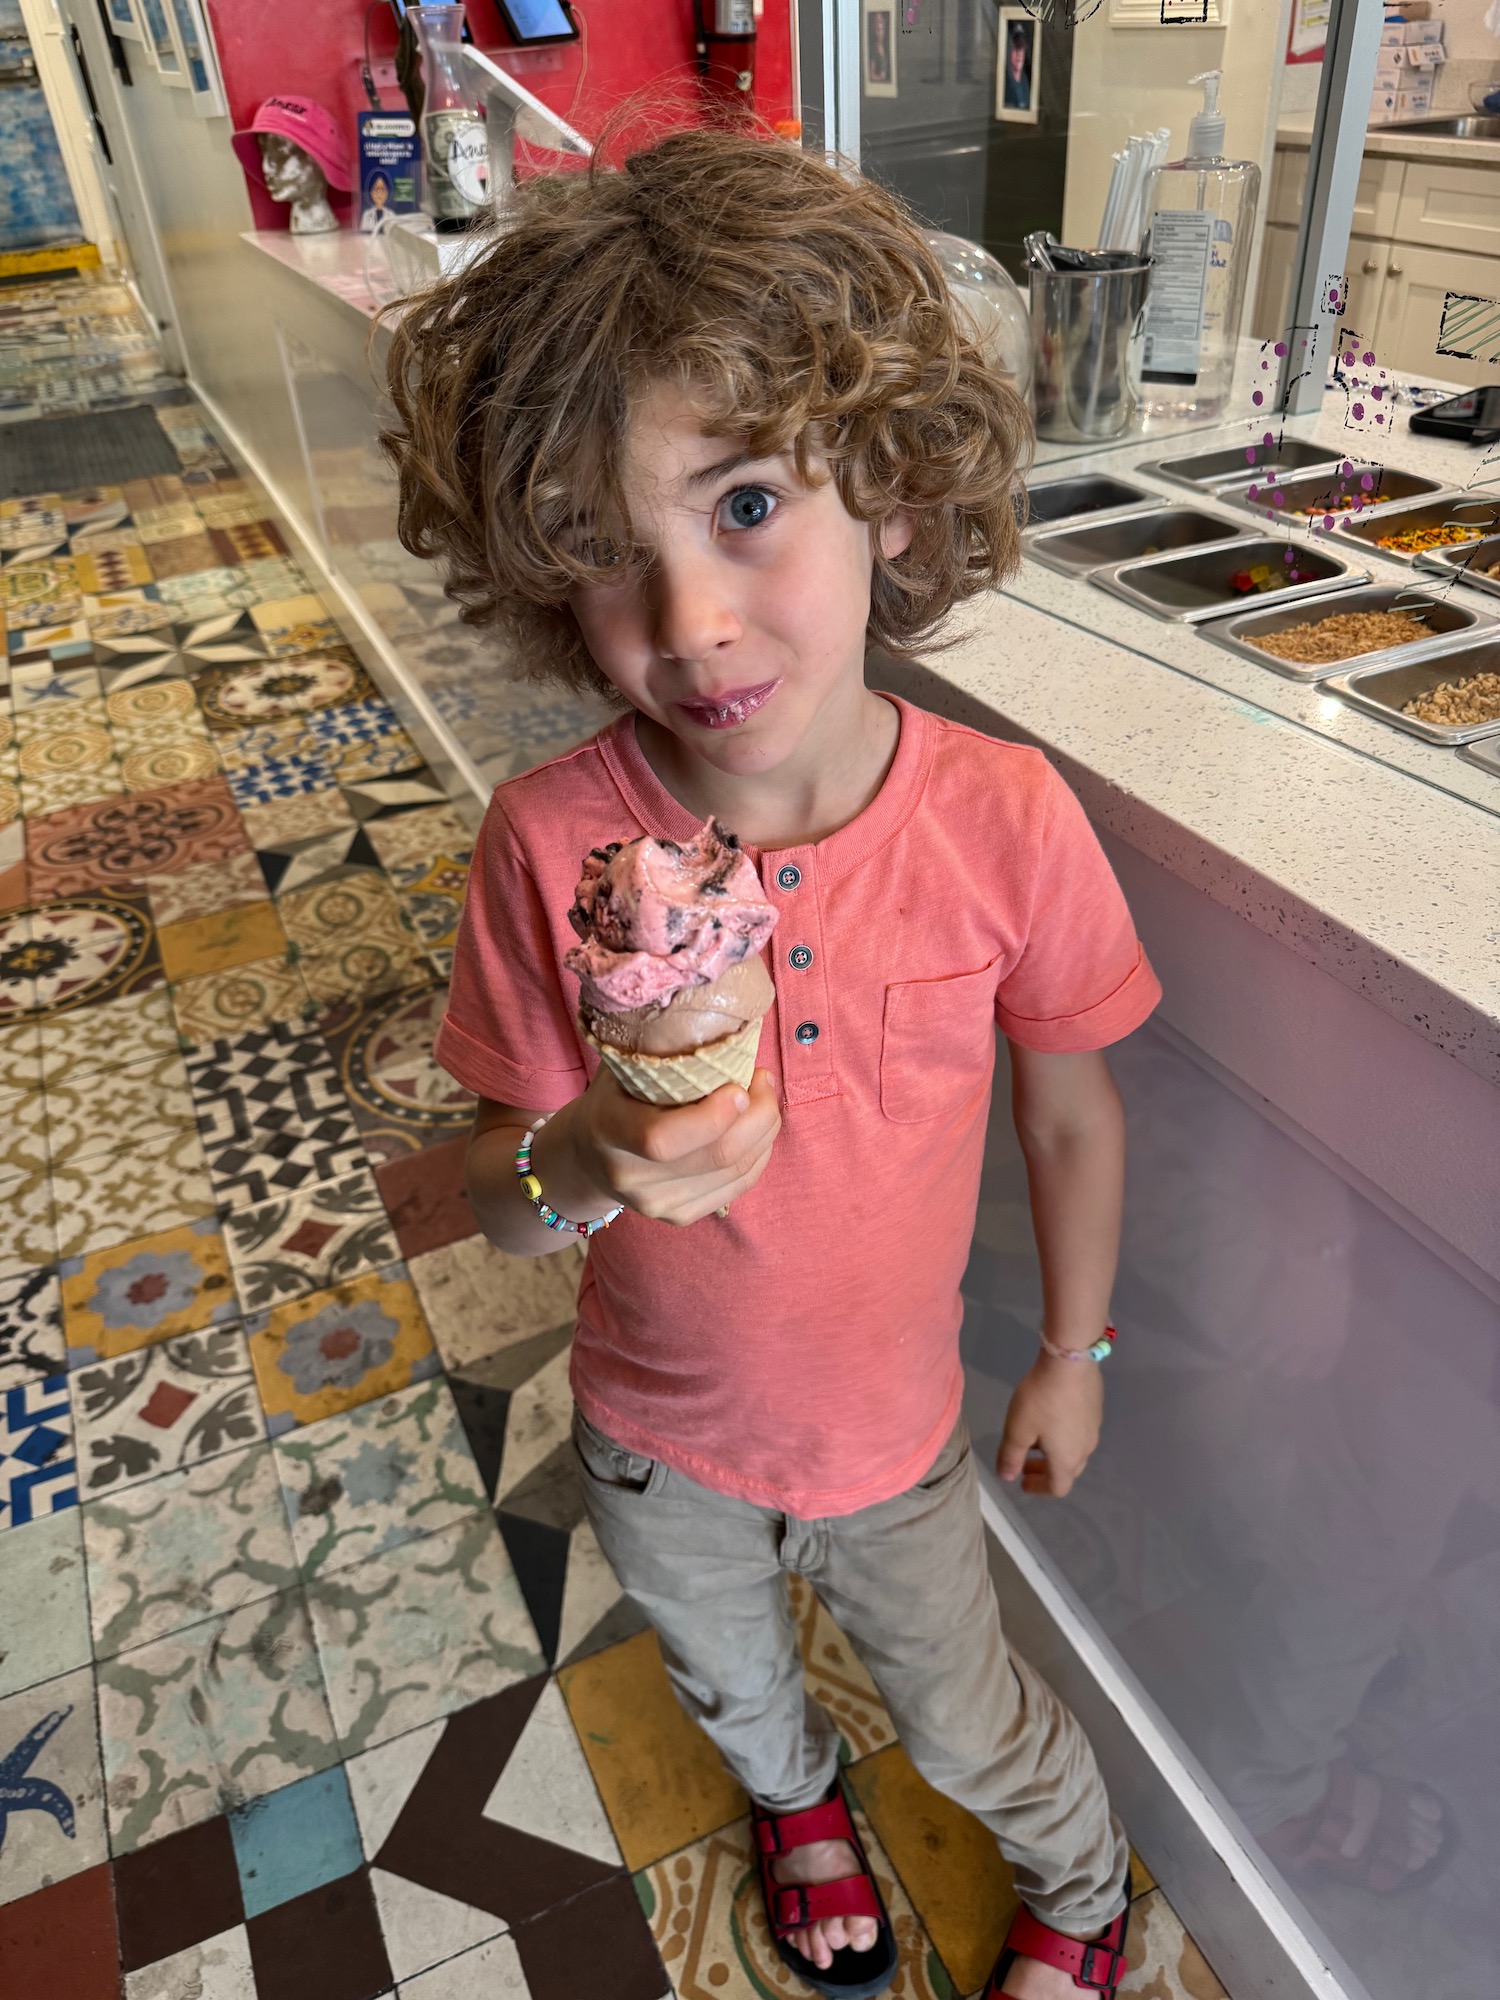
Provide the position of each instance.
(531, 1187)
(1100, 1351)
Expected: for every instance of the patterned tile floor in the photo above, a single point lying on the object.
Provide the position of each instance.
(314, 1685)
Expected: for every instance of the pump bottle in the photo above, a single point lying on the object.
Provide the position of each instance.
(1202, 218)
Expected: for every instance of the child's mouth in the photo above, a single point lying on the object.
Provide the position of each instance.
(728, 711)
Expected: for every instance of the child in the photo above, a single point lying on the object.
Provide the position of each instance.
(693, 435)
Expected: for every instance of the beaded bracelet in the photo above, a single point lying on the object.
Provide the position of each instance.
(1100, 1351)
(531, 1187)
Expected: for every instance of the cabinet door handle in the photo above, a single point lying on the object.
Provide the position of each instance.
(1370, 264)
(1393, 271)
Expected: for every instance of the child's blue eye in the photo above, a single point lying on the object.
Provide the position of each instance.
(749, 507)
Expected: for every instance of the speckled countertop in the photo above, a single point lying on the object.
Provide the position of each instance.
(1368, 852)
(1294, 128)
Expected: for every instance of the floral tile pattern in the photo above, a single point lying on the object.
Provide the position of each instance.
(204, 889)
(333, 1350)
(86, 1112)
(271, 1114)
(43, 1602)
(117, 843)
(174, 1404)
(402, 1101)
(380, 1475)
(173, 1551)
(112, 1198)
(219, 1713)
(74, 953)
(32, 1343)
(350, 935)
(145, 1290)
(219, 1005)
(441, 1621)
(305, 1242)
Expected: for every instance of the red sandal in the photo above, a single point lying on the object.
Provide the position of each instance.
(1097, 1965)
(853, 1975)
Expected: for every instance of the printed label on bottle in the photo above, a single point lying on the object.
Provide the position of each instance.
(1180, 242)
(453, 142)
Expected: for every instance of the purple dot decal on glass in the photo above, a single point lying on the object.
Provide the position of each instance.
(1328, 520)
(1287, 556)
(1369, 361)
(1257, 398)
(1268, 439)
(1367, 481)
(1280, 347)
(1252, 492)
(1346, 468)
(1377, 392)
(1279, 499)
(1357, 411)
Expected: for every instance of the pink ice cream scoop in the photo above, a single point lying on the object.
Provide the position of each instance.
(657, 916)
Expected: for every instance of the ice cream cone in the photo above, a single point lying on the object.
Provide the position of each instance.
(682, 1079)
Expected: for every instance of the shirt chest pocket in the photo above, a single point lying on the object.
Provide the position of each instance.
(937, 1045)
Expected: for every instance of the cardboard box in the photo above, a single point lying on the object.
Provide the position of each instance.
(1389, 71)
(1424, 56)
(1402, 34)
(1383, 107)
(1413, 103)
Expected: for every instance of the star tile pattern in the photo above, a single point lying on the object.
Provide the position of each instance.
(314, 1681)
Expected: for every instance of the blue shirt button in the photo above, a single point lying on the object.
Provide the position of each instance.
(788, 877)
(800, 957)
(807, 1031)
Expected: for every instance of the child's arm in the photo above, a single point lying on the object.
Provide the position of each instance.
(674, 1165)
(1072, 1132)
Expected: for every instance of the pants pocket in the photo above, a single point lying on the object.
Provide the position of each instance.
(609, 1465)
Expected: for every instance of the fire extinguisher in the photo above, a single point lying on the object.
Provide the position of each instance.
(725, 35)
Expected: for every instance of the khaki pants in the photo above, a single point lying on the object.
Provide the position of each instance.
(909, 1584)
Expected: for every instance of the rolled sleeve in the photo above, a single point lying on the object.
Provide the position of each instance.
(1082, 980)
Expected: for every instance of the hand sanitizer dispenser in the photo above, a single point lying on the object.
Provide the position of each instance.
(1201, 212)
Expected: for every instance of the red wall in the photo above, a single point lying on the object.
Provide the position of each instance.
(315, 47)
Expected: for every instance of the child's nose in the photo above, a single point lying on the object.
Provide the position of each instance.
(694, 615)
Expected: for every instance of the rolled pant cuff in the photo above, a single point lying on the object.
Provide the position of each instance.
(800, 1801)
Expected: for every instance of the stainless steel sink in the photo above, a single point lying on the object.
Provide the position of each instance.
(1476, 125)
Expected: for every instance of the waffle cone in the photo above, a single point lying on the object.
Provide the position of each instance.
(683, 1079)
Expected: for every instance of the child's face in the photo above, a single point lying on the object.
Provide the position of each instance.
(751, 616)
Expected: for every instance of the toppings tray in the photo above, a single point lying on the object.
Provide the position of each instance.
(1335, 495)
(1235, 464)
(1084, 493)
(1476, 562)
(1404, 533)
(1295, 629)
(1212, 581)
(1088, 545)
(1389, 691)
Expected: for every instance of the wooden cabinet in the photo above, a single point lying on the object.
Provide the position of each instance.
(1438, 232)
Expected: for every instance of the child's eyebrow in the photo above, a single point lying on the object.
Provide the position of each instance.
(707, 474)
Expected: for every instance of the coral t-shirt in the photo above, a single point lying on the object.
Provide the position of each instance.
(803, 1352)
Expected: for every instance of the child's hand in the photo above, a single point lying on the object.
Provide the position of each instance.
(680, 1163)
(1056, 1410)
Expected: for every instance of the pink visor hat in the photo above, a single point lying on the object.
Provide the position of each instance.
(306, 124)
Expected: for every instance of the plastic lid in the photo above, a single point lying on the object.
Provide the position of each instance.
(1206, 132)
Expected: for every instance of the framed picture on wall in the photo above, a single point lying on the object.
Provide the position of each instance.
(122, 21)
(1018, 73)
(878, 46)
(195, 48)
(161, 43)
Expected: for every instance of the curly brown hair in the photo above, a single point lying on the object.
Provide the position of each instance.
(797, 304)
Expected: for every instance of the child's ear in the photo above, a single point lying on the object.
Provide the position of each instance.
(894, 536)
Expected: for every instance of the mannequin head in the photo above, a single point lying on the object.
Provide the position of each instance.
(293, 176)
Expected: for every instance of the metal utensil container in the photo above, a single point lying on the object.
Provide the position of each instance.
(1383, 691)
(1199, 583)
(1443, 619)
(1086, 329)
(1052, 500)
(1090, 545)
(1458, 510)
(1313, 496)
(1234, 464)
(1467, 561)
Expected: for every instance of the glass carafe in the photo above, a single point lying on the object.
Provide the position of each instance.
(454, 154)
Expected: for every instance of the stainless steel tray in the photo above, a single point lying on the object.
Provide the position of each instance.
(1445, 619)
(1313, 497)
(1195, 584)
(1052, 500)
(1466, 560)
(1380, 691)
(1484, 755)
(1112, 538)
(1234, 464)
(1466, 510)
